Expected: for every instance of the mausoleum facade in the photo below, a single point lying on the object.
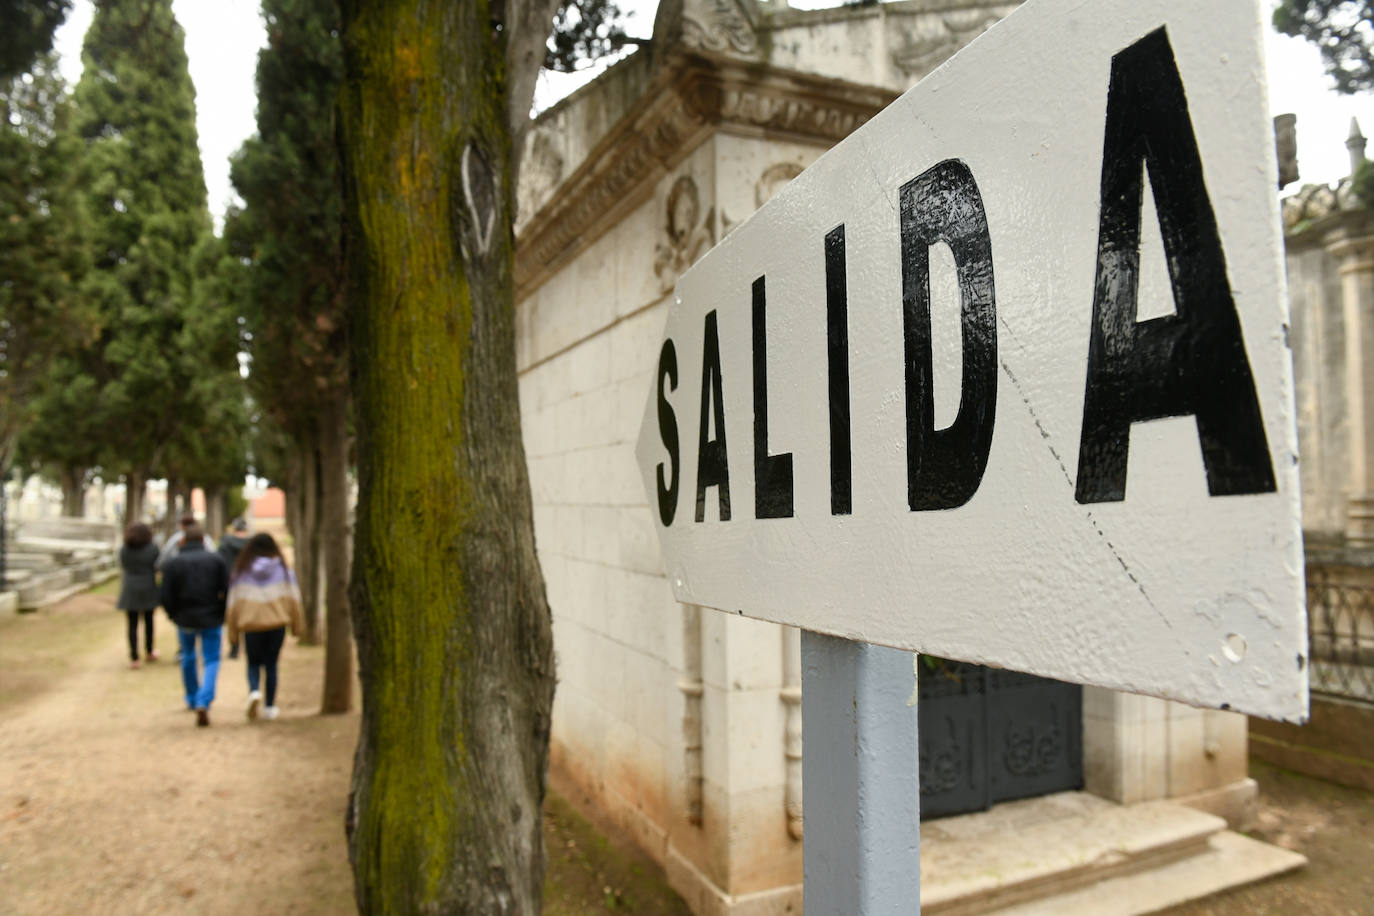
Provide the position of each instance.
(682, 725)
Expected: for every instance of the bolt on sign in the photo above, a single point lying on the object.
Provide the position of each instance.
(1005, 375)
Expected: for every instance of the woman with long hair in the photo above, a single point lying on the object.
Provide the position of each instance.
(263, 601)
(138, 592)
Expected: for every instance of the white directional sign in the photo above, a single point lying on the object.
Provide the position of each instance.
(1005, 376)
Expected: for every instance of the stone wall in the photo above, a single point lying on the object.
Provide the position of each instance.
(1337, 744)
(568, 132)
(1329, 237)
(883, 44)
(1314, 293)
(585, 344)
(672, 720)
(1138, 749)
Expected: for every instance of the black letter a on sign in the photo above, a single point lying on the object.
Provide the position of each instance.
(713, 464)
(1192, 362)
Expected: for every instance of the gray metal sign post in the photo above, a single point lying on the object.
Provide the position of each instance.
(860, 794)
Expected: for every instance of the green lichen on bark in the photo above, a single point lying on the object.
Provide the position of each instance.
(453, 629)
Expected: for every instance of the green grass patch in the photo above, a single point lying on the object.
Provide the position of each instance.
(589, 873)
(109, 587)
(38, 648)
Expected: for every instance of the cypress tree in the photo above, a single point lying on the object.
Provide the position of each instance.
(212, 449)
(42, 252)
(145, 198)
(290, 235)
(26, 30)
(455, 642)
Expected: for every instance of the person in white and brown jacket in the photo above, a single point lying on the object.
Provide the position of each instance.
(264, 599)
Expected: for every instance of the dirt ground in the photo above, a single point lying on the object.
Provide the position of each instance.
(112, 801)
(1332, 825)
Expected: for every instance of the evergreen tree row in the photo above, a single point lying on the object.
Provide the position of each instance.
(119, 306)
(288, 239)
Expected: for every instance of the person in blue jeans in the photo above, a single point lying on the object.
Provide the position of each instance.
(194, 585)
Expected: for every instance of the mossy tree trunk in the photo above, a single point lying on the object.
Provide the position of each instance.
(337, 692)
(214, 511)
(167, 523)
(306, 535)
(453, 628)
(291, 486)
(73, 492)
(135, 494)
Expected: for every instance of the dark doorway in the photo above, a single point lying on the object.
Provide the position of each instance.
(989, 735)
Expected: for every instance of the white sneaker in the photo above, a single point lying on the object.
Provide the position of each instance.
(254, 700)
(270, 712)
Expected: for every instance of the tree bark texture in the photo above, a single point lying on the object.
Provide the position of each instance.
(214, 512)
(337, 692)
(453, 628)
(135, 497)
(527, 27)
(291, 488)
(306, 537)
(178, 504)
(73, 492)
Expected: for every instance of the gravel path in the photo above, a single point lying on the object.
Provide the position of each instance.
(112, 801)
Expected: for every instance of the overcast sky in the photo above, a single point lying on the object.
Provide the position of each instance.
(223, 39)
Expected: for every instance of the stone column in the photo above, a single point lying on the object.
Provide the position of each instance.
(1139, 748)
(1353, 246)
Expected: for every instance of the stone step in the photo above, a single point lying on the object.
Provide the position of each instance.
(62, 550)
(1023, 853)
(67, 529)
(29, 560)
(1230, 860)
(61, 594)
(34, 592)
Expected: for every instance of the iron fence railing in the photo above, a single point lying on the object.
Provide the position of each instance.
(1340, 620)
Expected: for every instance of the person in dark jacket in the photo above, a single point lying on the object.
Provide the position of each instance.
(232, 543)
(194, 585)
(172, 545)
(138, 595)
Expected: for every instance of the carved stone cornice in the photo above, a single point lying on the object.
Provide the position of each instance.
(728, 27)
(691, 96)
(919, 55)
(1318, 213)
(1352, 245)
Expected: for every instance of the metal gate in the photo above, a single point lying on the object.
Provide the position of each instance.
(989, 735)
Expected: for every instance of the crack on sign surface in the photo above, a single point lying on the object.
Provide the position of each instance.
(1063, 469)
(877, 180)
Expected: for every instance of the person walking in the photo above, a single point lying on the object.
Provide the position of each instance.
(233, 541)
(264, 599)
(172, 546)
(194, 585)
(138, 594)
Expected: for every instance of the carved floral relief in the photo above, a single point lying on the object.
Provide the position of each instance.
(772, 180)
(688, 235)
(718, 25)
(922, 53)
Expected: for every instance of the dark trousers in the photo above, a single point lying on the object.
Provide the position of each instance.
(263, 649)
(133, 632)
